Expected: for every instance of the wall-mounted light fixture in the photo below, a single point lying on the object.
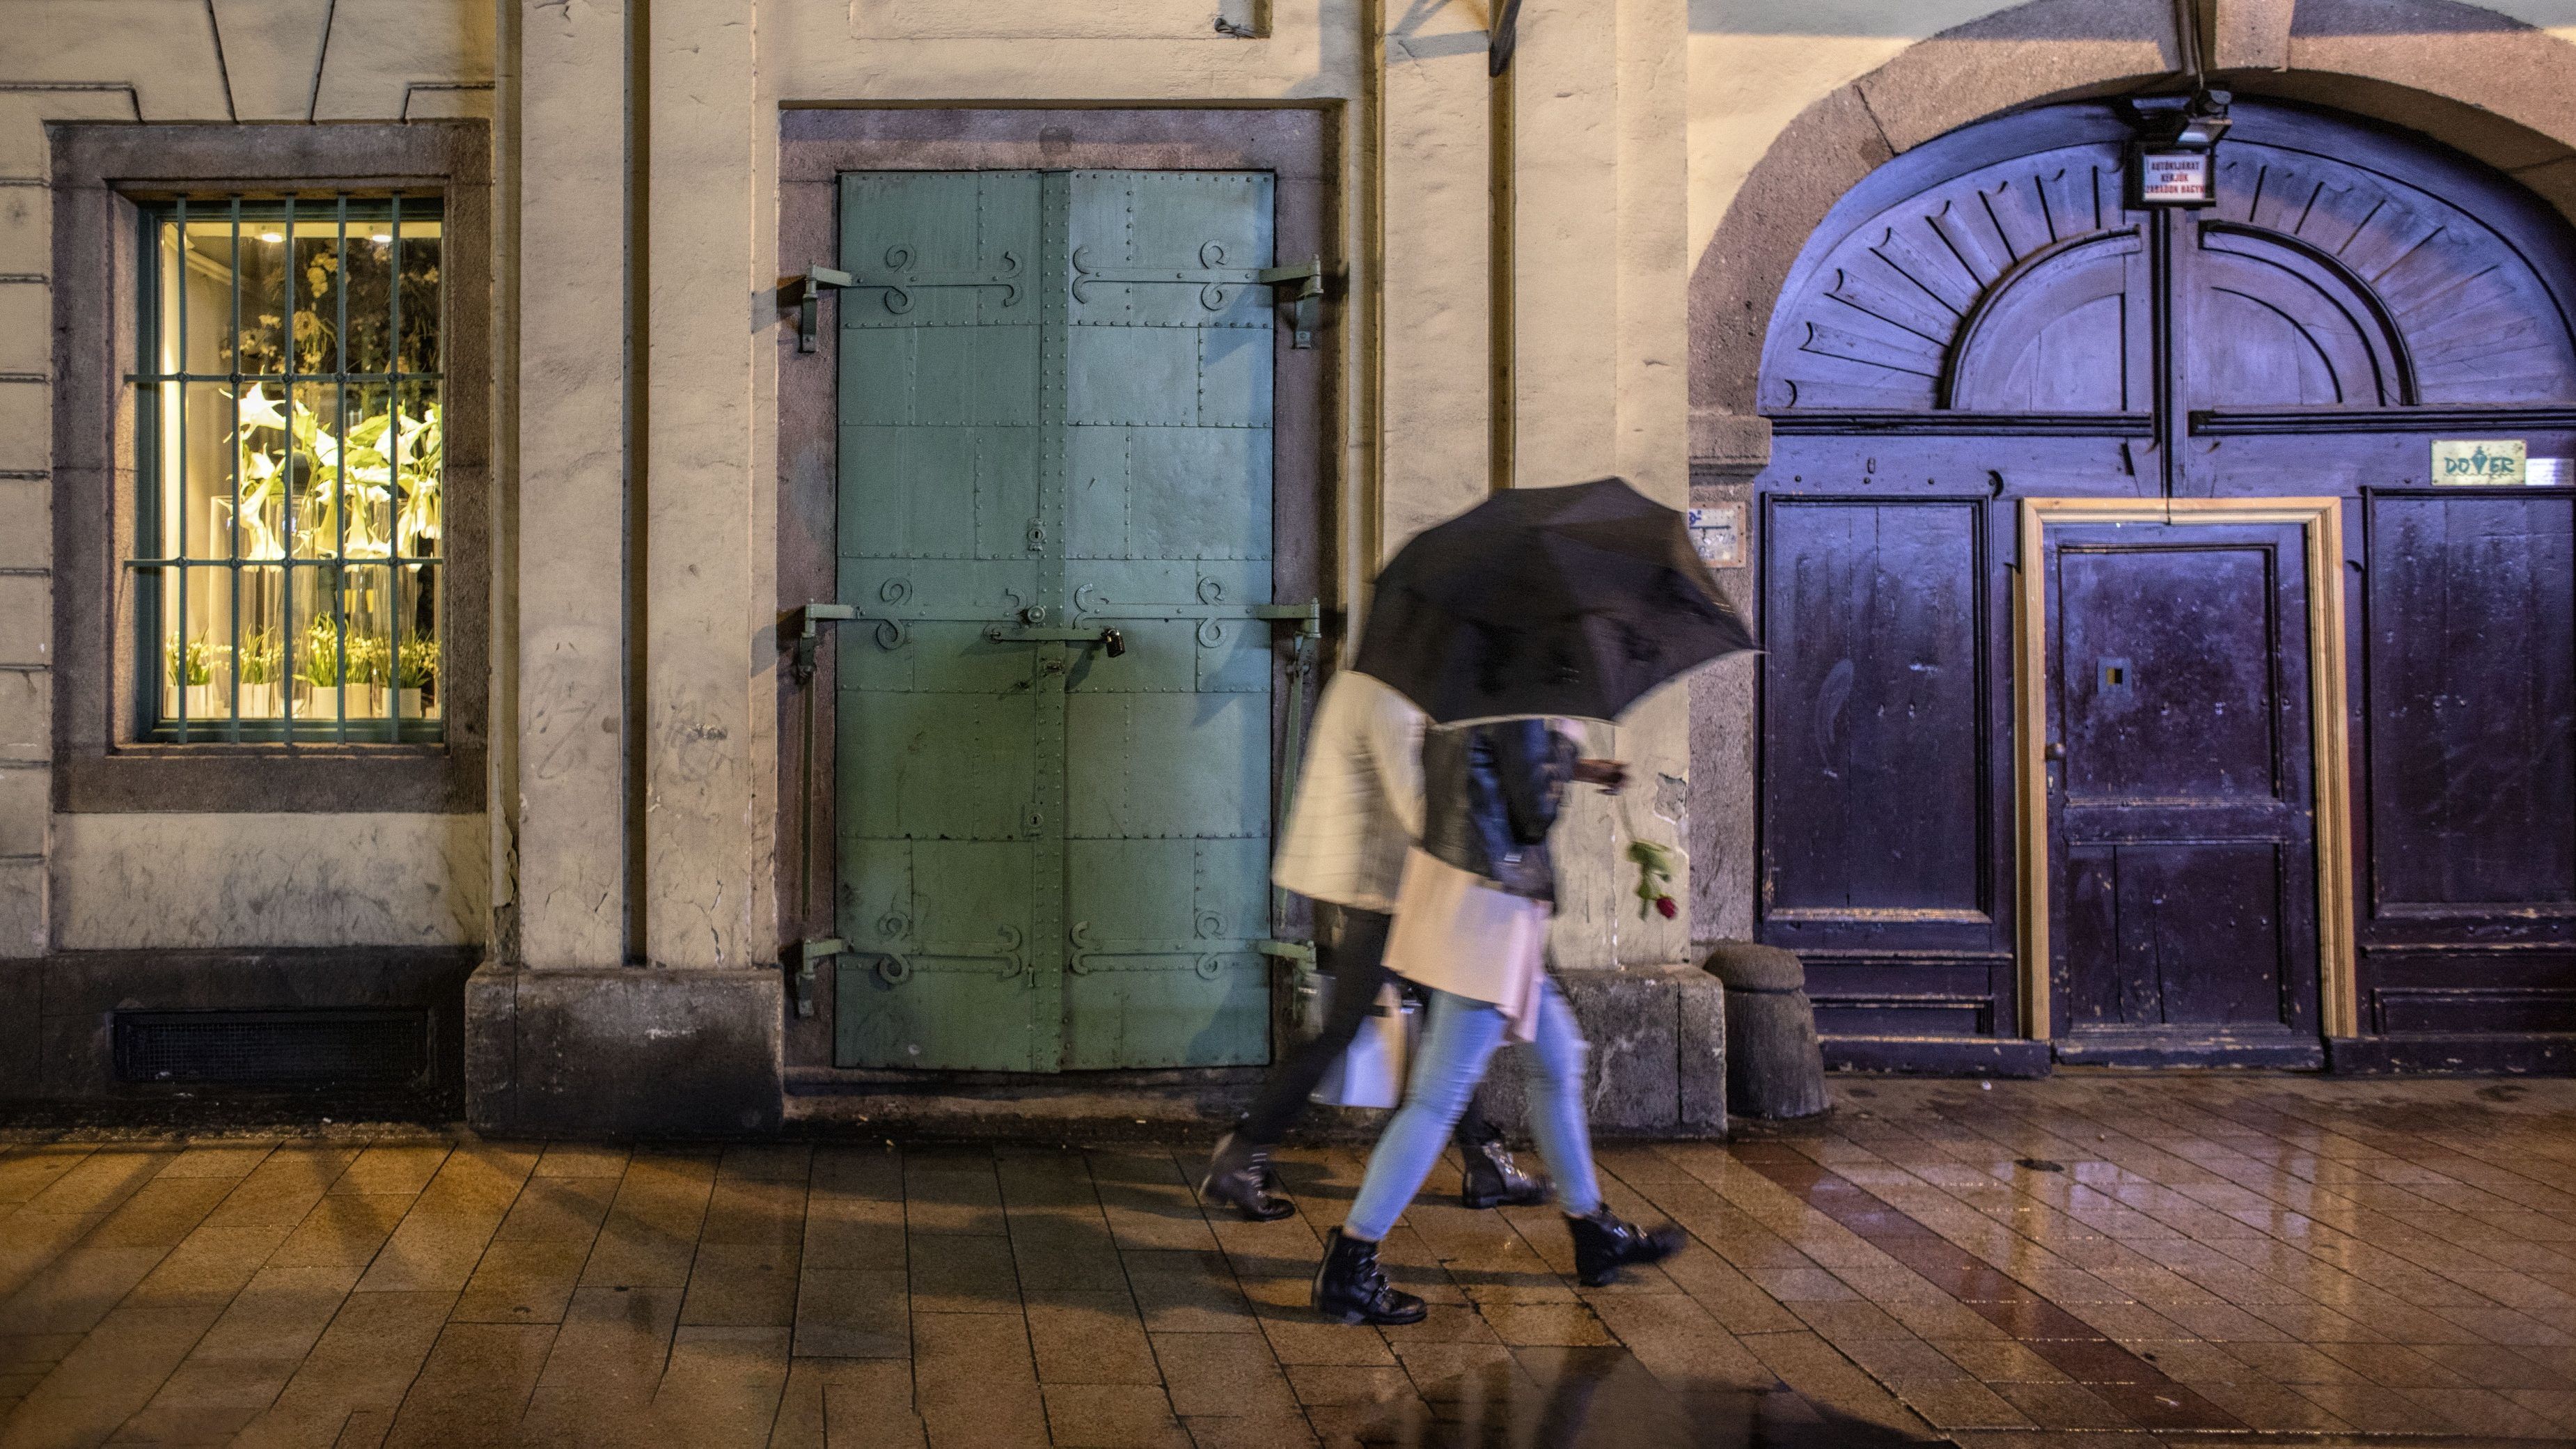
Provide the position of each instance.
(2174, 160)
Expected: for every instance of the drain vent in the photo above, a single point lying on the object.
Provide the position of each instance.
(272, 1048)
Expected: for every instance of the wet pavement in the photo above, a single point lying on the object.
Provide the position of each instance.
(2115, 1260)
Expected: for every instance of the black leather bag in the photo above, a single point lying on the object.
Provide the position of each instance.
(1491, 793)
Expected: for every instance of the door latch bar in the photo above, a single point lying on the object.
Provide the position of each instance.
(1212, 276)
(803, 290)
(807, 953)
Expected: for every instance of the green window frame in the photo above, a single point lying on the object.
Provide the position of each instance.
(290, 452)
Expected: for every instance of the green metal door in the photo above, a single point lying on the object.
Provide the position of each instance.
(1054, 761)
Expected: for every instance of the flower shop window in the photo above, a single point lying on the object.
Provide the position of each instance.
(290, 450)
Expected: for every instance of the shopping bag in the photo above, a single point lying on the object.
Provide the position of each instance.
(1370, 1072)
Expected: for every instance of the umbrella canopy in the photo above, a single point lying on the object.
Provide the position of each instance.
(1568, 601)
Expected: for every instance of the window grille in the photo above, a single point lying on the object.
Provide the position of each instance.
(290, 442)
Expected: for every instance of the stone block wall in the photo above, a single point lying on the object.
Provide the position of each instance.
(1658, 1068)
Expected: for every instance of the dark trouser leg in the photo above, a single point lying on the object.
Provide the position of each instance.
(1357, 961)
(1473, 1130)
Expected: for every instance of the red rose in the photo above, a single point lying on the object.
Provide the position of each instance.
(1665, 906)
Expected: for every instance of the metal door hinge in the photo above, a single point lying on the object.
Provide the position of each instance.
(1304, 306)
(802, 292)
(1302, 952)
(800, 630)
(1308, 617)
(803, 979)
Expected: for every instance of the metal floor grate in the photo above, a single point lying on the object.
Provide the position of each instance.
(272, 1048)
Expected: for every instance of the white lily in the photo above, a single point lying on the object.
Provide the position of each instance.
(259, 410)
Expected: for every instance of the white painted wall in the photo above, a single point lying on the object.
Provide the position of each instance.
(1755, 64)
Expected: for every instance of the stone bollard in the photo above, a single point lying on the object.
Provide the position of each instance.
(1774, 1066)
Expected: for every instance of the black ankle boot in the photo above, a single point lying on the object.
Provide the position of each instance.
(1239, 1173)
(1352, 1288)
(1603, 1244)
(1494, 1180)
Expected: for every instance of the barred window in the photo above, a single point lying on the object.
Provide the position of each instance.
(290, 440)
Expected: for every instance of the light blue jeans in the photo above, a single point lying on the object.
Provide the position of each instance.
(1457, 1044)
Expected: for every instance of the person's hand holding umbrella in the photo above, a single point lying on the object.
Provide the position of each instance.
(1610, 775)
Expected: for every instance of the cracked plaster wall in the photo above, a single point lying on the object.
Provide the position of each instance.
(126, 881)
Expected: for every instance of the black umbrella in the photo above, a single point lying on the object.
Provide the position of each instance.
(1568, 601)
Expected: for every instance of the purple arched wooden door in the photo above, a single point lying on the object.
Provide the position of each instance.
(1982, 323)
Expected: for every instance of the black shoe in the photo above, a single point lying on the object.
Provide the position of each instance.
(1240, 1173)
(1603, 1244)
(1494, 1180)
(1352, 1288)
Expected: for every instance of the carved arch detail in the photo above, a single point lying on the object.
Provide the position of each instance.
(1964, 276)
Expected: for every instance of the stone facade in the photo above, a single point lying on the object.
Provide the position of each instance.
(1559, 274)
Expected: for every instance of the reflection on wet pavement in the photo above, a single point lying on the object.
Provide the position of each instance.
(2102, 1261)
(1602, 1398)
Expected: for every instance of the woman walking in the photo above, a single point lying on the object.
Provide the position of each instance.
(1356, 817)
(1471, 926)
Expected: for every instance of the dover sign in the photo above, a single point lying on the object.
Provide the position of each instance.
(2479, 462)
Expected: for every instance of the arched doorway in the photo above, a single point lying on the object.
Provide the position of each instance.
(2135, 684)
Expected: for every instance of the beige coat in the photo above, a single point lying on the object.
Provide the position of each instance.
(1359, 798)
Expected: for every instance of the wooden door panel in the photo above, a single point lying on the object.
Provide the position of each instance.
(2147, 920)
(2400, 249)
(2018, 285)
(1872, 695)
(1983, 314)
(2167, 675)
(2073, 335)
(2269, 325)
(2472, 700)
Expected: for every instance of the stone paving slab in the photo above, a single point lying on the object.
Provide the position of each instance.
(2106, 1261)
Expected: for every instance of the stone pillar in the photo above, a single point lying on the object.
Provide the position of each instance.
(1434, 184)
(27, 462)
(569, 808)
(703, 638)
(570, 1037)
(1599, 195)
